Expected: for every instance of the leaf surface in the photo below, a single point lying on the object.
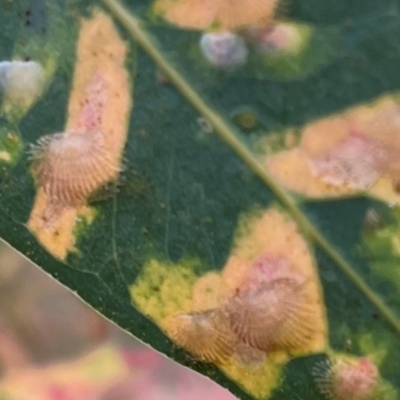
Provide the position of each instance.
(195, 179)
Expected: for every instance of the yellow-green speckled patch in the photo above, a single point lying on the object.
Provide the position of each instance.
(11, 145)
(164, 289)
(258, 382)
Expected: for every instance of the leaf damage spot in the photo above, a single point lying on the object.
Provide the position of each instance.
(281, 38)
(70, 166)
(346, 154)
(264, 308)
(291, 169)
(178, 300)
(350, 378)
(290, 50)
(208, 292)
(223, 15)
(246, 118)
(155, 290)
(354, 162)
(270, 258)
(250, 38)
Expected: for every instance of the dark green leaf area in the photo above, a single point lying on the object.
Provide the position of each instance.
(380, 247)
(300, 370)
(331, 13)
(12, 15)
(365, 66)
(355, 326)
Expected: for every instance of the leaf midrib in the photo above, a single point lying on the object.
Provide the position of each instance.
(227, 134)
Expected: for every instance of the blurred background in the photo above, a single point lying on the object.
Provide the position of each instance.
(54, 347)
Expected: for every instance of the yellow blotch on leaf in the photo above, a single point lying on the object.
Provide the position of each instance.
(5, 156)
(264, 308)
(164, 289)
(207, 292)
(54, 226)
(268, 250)
(72, 165)
(220, 15)
(346, 154)
(292, 170)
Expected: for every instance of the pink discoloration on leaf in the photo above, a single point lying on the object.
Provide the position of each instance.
(268, 268)
(342, 155)
(348, 379)
(94, 104)
(269, 287)
(279, 37)
(357, 381)
(356, 162)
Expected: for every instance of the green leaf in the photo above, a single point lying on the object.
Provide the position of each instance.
(195, 186)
